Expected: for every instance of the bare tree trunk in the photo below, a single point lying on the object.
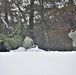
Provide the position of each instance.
(71, 19)
(43, 25)
(31, 30)
(5, 10)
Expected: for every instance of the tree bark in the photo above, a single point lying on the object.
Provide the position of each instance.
(31, 30)
(43, 25)
(5, 10)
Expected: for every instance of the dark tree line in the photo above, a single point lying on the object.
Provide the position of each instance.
(48, 22)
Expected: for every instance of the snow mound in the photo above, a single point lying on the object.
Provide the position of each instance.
(36, 49)
(20, 49)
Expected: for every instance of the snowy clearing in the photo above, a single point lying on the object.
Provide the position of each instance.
(38, 63)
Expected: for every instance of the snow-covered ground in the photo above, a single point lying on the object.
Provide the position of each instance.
(38, 63)
(22, 49)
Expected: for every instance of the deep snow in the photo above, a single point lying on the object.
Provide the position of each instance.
(38, 63)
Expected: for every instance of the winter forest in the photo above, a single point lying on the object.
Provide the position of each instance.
(47, 22)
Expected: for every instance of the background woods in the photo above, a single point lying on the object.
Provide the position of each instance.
(48, 22)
